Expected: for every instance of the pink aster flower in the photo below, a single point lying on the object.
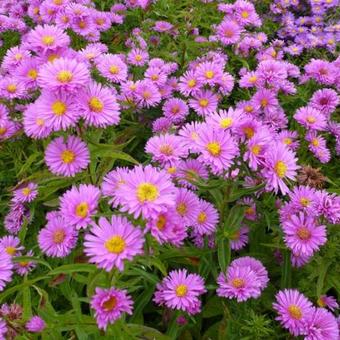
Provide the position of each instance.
(112, 67)
(166, 148)
(147, 192)
(325, 100)
(24, 267)
(265, 99)
(35, 125)
(187, 206)
(239, 238)
(288, 138)
(109, 305)
(302, 235)
(3, 328)
(327, 301)
(228, 32)
(239, 282)
(206, 219)
(111, 242)
(189, 170)
(137, 57)
(191, 134)
(14, 57)
(59, 110)
(28, 72)
(311, 118)
(280, 164)
(46, 38)
(175, 110)
(147, 94)
(11, 87)
(162, 26)
(66, 158)
(209, 73)
(98, 105)
(63, 74)
(188, 83)
(26, 193)
(78, 205)
(57, 238)
(294, 309)
(11, 244)
(35, 324)
(224, 120)
(217, 149)
(204, 102)
(321, 325)
(303, 198)
(317, 144)
(6, 268)
(181, 291)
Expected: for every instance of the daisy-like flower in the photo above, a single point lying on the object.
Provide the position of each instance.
(294, 309)
(78, 205)
(175, 110)
(206, 219)
(224, 120)
(111, 242)
(26, 193)
(302, 235)
(147, 192)
(321, 325)
(318, 145)
(311, 118)
(35, 125)
(209, 73)
(24, 267)
(59, 110)
(35, 324)
(239, 282)
(239, 238)
(187, 206)
(11, 87)
(228, 32)
(47, 38)
(217, 149)
(6, 268)
(304, 198)
(27, 73)
(189, 83)
(181, 291)
(288, 138)
(112, 67)
(191, 134)
(265, 99)
(137, 57)
(14, 57)
(156, 75)
(325, 100)
(99, 106)
(11, 244)
(280, 164)
(66, 158)
(57, 238)
(204, 102)
(109, 305)
(3, 329)
(147, 94)
(63, 74)
(327, 301)
(166, 148)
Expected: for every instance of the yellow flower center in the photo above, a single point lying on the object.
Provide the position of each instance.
(59, 108)
(52, 57)
(82, 24)
(47, 40)
(58, 2)
(287, 141)
(11, 250)
(295, 312)
(181, 290)
(138, 57)
(18, 56)
(235, 236)
(225, 122)
(202, 217)
(209, 74)
(311, 119)
(321, 303)
(252, 79)
(114, 69)
(146, 94)
(315, 142)
(280, 169)
(304, 233)
(175, 109)
(2, 131)
(249, 108)
(192, 83)
(244, 14)
(96, 105)
(228, 33)
(256, 149)
(203, 102)
(23, 264)
(161, 222)
(32, 73)
(182, 208)
(68, 156)
(26, 191)
(194, 136)
(115, 245)
(264, 102)
(11, 88)
(250, 211)
(304, 201)
(59, 236)
(100, 21)
(238, 283)
(110, 304)
(147, 192)
(166, 149)
(171, 170)
(249, 132)
(154, 77)
(64, 76)
(214, 148)
(82, 209)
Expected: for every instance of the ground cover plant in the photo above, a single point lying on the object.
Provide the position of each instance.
(169, 169)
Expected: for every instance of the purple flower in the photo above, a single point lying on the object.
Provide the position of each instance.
(26, 193)
(6, 268)
(311, 118)
(36, 324)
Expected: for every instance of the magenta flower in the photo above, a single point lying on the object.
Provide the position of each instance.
(35, 125)
(239, 238)
(303, 198)
(66, 158)
(187, 206)
(3, 328)
(188, 83)
(327, 301)
(36, 324)
(24, 267)
(279, 164)
(147, 192)
(147, 93)
(206, 219)
(112, 67)
(57, 238)
(137, 57)
(109, 305)
(175, 110)
(209, 73)
(204, 102)
(311, 118)
(78, 205)
(189, 170)
(63, 75)
(302, 235)
(228, 32)
(26, 193)
(181, 291)
(11, 244)
(6, 268)
(294, 309)
(325, 100)
(110, 243)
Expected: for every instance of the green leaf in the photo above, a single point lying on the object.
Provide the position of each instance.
(146, 333)
(72, 268)
(223, 253)
(31, 259)
(141, 302)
